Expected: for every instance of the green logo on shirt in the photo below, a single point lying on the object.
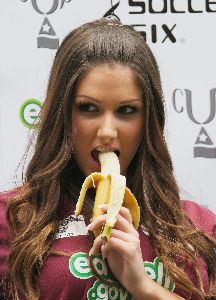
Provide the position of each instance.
(80, 268)
(79, 265)
(100, 291)
(157, 272)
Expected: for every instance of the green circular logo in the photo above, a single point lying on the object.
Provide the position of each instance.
(29, 112)
(79, 265)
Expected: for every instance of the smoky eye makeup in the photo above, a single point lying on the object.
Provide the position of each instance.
(85, 106)
(127, 109)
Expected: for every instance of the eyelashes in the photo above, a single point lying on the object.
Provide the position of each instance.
(87, 107)
(127, 110)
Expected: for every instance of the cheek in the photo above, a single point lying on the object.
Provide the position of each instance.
(81, 130)
(133, 132)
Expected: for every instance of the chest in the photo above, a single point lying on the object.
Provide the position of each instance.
(69, 276)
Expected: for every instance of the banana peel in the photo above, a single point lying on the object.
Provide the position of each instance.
(111, 190)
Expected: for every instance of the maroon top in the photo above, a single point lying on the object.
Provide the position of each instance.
(65, 278)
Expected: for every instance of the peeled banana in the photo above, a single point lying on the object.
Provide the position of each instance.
(112, 190)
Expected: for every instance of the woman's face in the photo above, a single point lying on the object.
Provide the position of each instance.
(107, 114)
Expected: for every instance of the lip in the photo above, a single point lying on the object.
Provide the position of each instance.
(97, 165)
(95, 152)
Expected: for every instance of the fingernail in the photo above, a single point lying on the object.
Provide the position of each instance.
(90, 252)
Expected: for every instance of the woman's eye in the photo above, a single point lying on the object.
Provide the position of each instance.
(127, 110)
(87, 107)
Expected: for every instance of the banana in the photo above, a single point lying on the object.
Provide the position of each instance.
(112, 190)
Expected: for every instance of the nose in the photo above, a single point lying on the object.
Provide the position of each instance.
(107, 129)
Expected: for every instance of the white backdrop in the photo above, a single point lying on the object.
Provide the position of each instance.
(182, 36)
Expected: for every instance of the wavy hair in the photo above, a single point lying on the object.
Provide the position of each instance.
(52, 174)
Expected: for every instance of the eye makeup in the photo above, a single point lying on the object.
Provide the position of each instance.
(83, 106)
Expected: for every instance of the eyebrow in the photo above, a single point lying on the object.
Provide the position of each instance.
(98, 101)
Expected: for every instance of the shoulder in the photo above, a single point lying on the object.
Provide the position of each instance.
(5, 240)
(202, 217)
(4, 199)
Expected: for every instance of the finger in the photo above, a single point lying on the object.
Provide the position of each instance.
(98, 222)
(124, 212)
(118, 245)
(121, 224)
(105, 251)
(127, 237)
(96, 247)
(98, 244)
(124, 248)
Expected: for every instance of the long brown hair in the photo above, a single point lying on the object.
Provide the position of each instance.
(52, 172)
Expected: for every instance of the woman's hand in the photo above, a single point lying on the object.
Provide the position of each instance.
(124, 256)
(122, 251)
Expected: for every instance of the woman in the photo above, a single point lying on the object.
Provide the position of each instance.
(104, 93)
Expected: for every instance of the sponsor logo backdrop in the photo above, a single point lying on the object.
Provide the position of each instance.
(182, 36)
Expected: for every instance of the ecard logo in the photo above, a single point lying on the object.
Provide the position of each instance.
(47, 37)
(29, 112)
(204, 146)
(79, 267)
